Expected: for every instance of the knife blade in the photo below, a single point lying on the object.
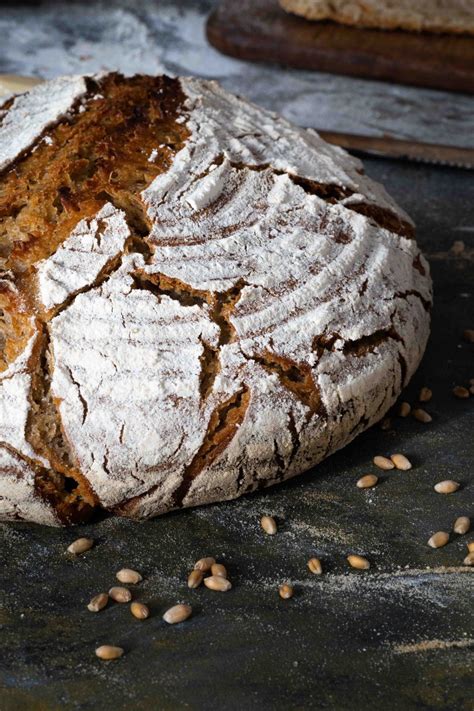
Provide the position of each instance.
(383, 146)
(388, 147)
(14, 84)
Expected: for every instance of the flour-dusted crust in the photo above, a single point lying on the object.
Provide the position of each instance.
(19, 498)
(34, 112)
(219, 301)
(455, 16)
(92, 247)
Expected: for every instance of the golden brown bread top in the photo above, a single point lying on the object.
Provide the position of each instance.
(99, 153)
(95, 156)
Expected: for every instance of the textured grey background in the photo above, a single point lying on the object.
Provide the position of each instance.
(347, 640)
(54, 38)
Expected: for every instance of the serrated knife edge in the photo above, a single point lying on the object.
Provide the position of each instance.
(388, 147)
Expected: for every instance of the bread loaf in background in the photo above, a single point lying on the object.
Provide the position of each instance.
(455, 16)
(198, 299)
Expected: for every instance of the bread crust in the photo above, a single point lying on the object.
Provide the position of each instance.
(212, 300)
(435, 16)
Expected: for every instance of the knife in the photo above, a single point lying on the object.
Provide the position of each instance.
(14, 84)
(384, 146)
(389, 147)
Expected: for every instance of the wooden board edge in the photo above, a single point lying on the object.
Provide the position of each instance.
(323, 60)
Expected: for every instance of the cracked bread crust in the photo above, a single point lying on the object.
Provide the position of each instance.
(438, 16)
(199, 299)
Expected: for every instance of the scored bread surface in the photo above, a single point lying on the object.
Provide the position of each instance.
(197, 298)
(456, 16)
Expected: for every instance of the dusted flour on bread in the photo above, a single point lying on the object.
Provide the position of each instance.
(211, 321)
(32, 113)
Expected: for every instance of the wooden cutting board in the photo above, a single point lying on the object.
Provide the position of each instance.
(260, 30)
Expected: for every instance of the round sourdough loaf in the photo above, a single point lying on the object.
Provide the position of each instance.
(197, 298)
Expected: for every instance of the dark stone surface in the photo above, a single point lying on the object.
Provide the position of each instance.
(340, 643)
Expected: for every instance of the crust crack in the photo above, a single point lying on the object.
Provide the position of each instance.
(359, 347)
(332, 193)
(72, 493)
(43, 478)
(413, 292)
(210, 366)
(85, 407)
(280, 462)
(295, 377)
(105, 273)
(221, 306)
(163, 285)
(224, 423)
(222, 427)
(295, 438)
(384, 218)
(367, 344)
